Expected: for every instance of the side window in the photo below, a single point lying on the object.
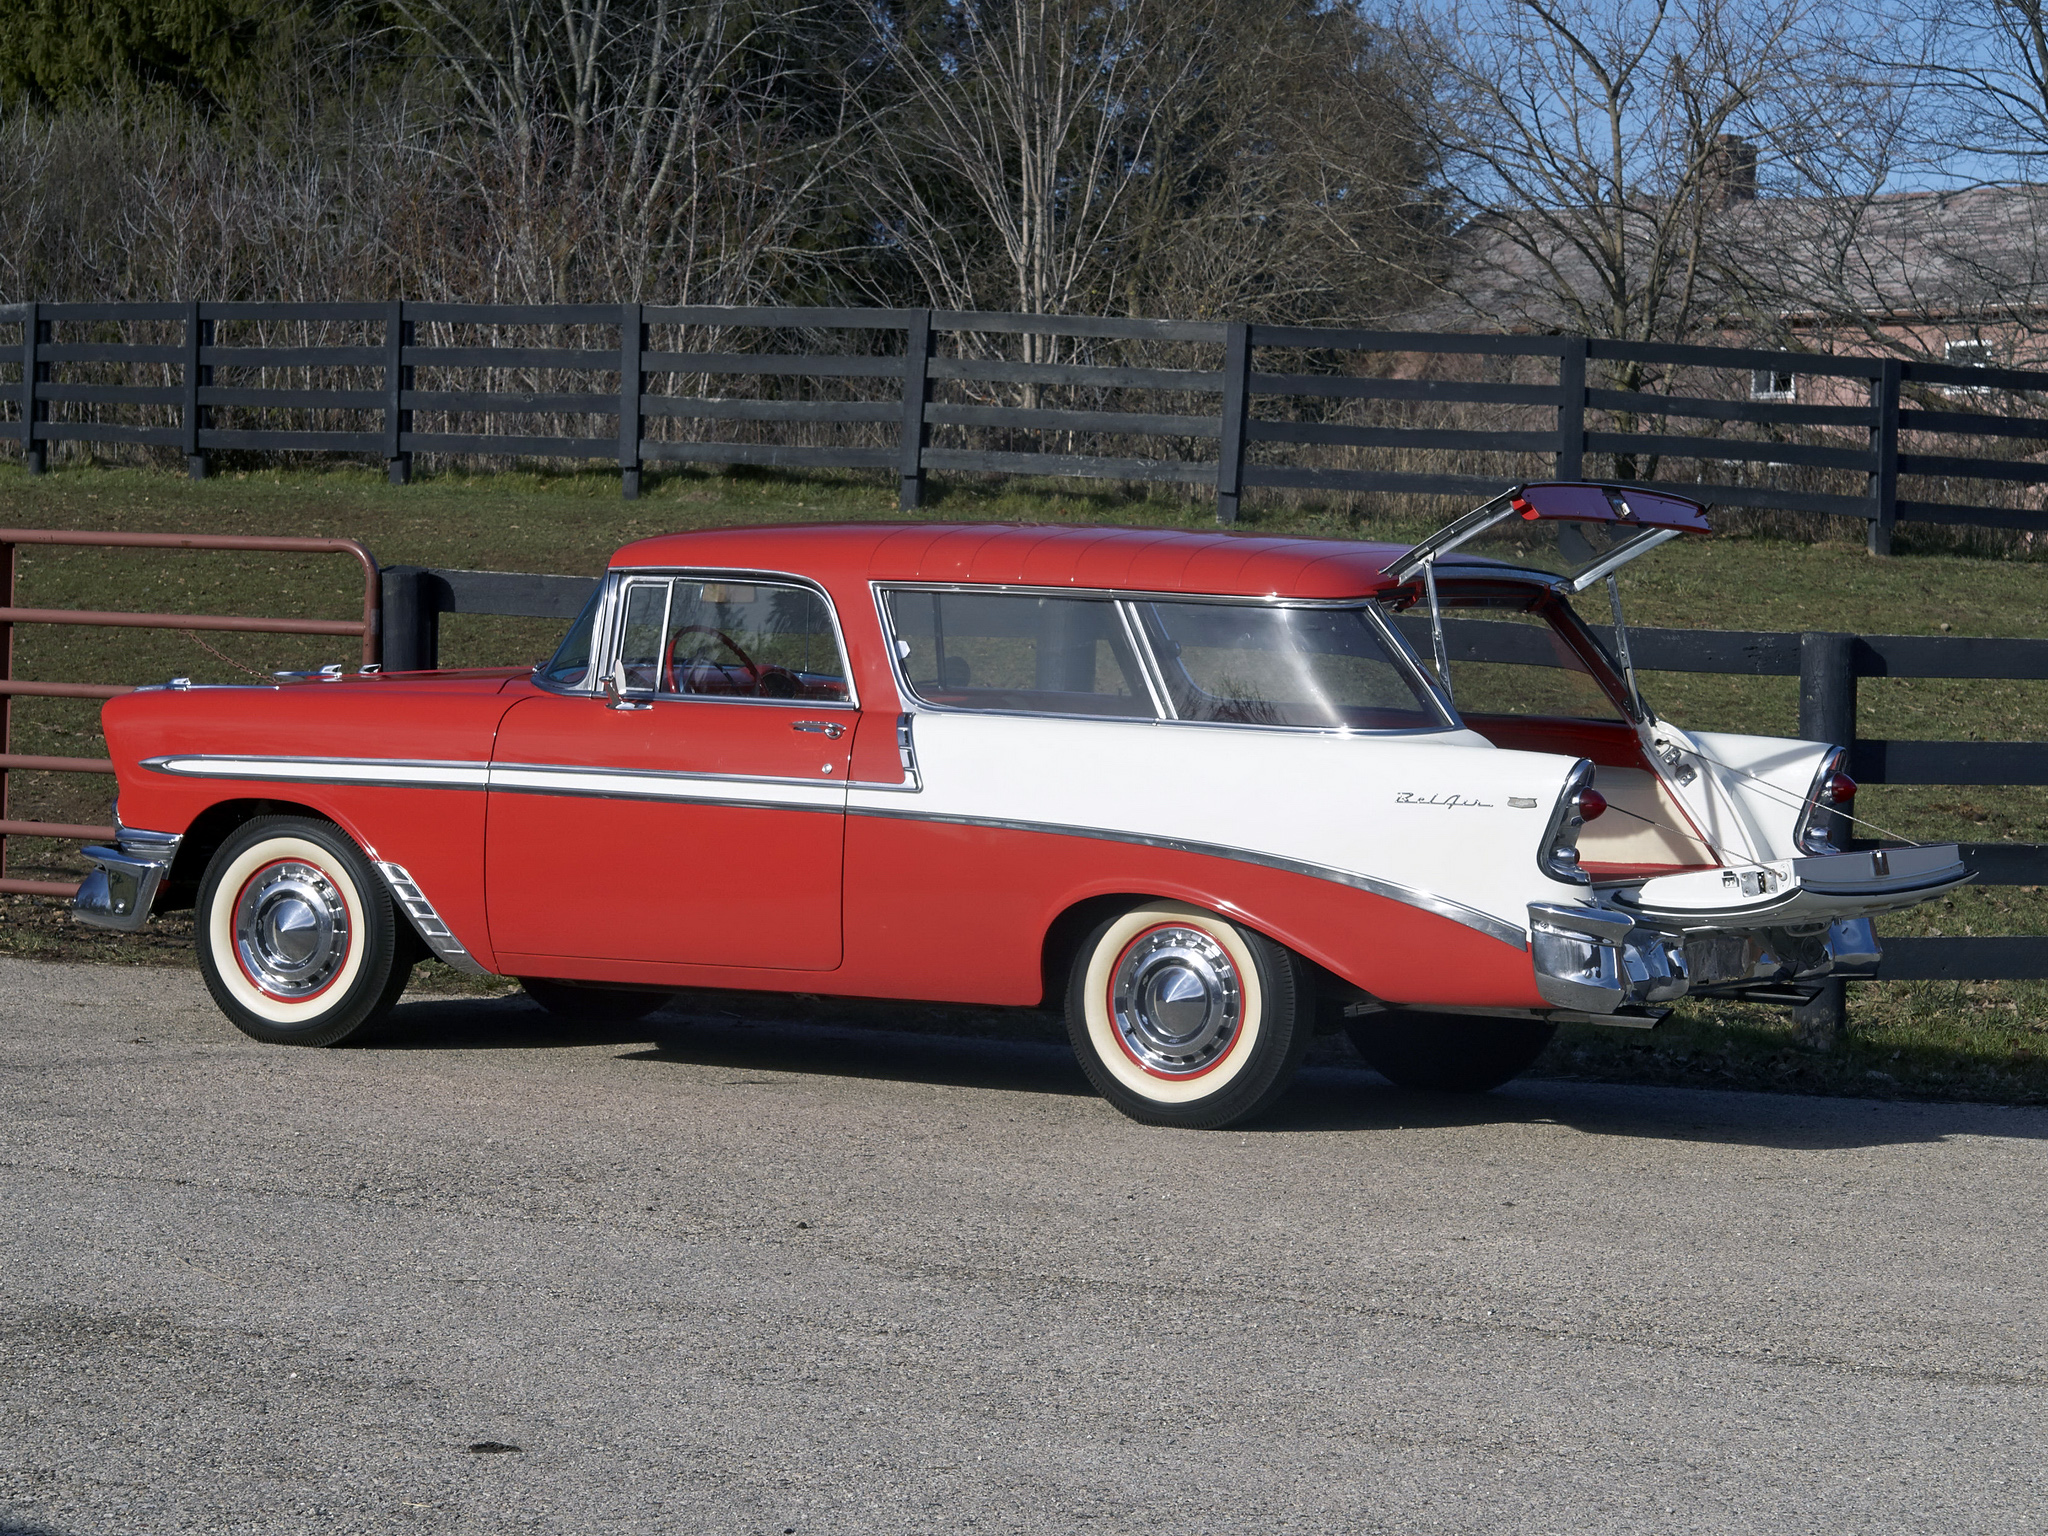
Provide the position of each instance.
(1010, 651)
(1265, 664)
(731, 639)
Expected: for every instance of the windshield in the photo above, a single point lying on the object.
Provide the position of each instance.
(1245, 664)
(569, 667)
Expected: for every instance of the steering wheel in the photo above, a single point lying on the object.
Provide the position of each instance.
(766, 682)
(668, 659)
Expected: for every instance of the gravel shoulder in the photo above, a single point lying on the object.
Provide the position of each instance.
(793, 1275)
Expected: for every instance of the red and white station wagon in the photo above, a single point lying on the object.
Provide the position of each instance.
(1202, 791)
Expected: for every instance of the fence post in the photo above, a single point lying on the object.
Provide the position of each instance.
(198, 333)
(917, 394)
(1827, 712)
(411, 629)
(632, 342)
(397, 381)
(33, 332)
(1237, 380)
(1884, 443)
(1571, 408)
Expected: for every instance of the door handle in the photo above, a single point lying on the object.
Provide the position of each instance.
(820, 728)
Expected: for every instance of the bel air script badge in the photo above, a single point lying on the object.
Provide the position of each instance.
(1448, 802)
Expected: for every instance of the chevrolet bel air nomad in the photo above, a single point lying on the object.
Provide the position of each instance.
(1207, 793)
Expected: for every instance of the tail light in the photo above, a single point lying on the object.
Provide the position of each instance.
(1577, 803)
(1833, 790)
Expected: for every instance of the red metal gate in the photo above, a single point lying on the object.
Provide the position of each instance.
(12, 687)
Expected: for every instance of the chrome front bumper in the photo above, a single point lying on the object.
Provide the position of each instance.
(1597, 961)
(122, 887)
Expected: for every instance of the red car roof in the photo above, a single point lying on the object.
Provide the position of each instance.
(1037, 555)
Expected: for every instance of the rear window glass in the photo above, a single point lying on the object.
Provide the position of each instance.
(1005, 651)
(1251, 664)
(1517, 665)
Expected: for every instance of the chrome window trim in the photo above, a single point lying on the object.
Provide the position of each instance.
(607, 633)
(1148, 663)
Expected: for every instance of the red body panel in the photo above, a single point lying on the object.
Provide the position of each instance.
(437, 834)
(575, 871)
(959, 914)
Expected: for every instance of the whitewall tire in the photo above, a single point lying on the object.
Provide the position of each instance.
(298, 940)
(1182, 1018)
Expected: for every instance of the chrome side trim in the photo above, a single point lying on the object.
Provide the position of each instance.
(122, 887)
(1408, 895)
(426, 921)
(763, 792)
(408, 772)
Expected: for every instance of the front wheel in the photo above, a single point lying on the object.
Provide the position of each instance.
(298, 941)
(1448, 1052)
(1181, 1018)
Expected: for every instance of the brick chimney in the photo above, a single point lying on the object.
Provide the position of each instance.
(1728, 171)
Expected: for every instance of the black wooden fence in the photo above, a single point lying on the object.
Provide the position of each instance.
(1229, 407)
(1828, 667)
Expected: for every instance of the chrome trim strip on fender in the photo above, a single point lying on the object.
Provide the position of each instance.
(1408, 895)
(385, 772)
(426, 921)
(524, 778)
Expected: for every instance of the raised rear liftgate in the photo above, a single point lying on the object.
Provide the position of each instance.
(12, 687)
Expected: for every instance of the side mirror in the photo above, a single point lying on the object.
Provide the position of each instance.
(615, 690)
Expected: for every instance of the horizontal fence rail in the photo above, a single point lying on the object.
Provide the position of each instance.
(1229, 407)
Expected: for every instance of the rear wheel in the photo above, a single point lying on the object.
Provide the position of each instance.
(592, 1004)
(1448, 1052)
(298, 940)
(1181, 1018)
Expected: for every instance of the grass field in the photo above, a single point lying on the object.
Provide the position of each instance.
(1975, 1040)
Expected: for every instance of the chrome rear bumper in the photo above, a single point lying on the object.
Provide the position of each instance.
(1596, 960)
(122, 887)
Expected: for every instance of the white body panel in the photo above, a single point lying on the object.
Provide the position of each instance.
(1432, 815)
(1747, 793)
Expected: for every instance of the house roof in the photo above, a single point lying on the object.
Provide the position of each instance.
(1973, 254)
(1129, 559)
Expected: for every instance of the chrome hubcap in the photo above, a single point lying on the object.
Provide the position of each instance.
(291, 929)
(1176, 1001)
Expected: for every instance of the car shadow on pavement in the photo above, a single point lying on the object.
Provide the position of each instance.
(1013, 1050)
(1022, 1051)
(1353, 1099)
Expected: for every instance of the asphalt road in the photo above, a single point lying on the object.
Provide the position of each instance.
(797, 1277)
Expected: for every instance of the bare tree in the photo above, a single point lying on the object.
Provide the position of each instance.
(661, 143)
(1036, 117)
